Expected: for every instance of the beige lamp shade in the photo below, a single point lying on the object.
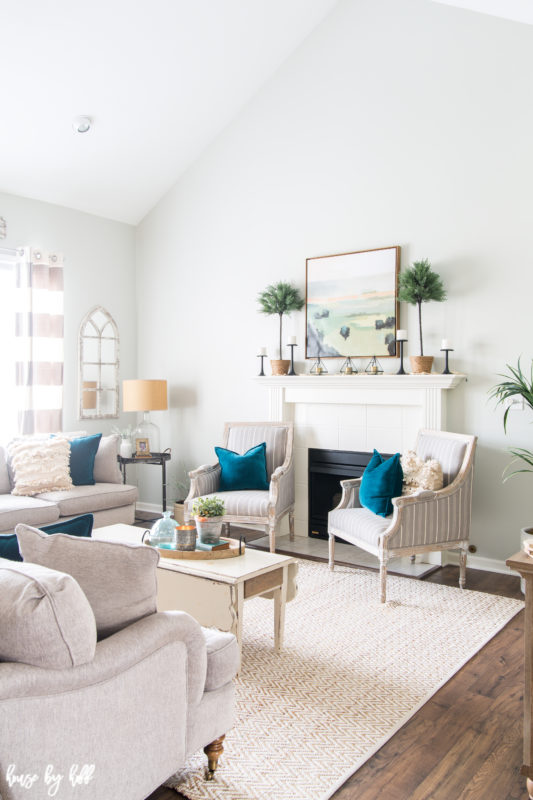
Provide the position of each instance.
(141, 395)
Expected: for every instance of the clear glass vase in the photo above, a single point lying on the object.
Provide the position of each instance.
(164, 531)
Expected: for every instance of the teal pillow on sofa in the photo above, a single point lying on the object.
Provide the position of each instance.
(82, 455)
(382, 480)
(243, 472)
(77, 526)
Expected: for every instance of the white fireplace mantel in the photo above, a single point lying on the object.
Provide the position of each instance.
(424, 391)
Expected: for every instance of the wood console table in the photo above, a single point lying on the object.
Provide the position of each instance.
(159, 459)
(524, 565)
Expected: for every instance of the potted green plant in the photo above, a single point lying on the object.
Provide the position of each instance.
(208, 513)
(417, 285)
(280, 298)
(516, 385)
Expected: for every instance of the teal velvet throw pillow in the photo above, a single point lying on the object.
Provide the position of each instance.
(82, 455)
(382, 480)
(77, 526)
(243, 472)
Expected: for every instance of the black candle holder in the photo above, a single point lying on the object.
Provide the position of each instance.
(291, 368)
(446, 370)
(401, 371)
(318, 368)
(348, 367)
(262, 373)
(374, 367)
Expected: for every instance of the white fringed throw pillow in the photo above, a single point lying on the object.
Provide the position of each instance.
(419, 474)
(40, 465)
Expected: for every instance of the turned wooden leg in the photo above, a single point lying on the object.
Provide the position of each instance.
(529, 785)
(331, 552)
(383, 580)
(272, 538)
(462, 568)
(291, 526)
(213, 752)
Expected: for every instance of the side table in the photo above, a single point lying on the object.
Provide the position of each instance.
(524, 565)
(159, 459)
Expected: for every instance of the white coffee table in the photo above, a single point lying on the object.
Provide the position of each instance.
(214, 591)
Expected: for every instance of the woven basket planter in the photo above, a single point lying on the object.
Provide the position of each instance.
(280, 366)
(421, 365)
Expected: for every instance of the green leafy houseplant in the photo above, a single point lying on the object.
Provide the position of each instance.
(515, 384)
(208, 507)
(419, 284)
(280, 298)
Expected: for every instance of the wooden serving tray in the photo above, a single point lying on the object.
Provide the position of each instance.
(203, 555)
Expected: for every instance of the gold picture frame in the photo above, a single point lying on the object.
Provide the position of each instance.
(142, 448)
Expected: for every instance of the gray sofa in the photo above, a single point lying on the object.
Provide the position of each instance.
(97, 684)
(109, 500)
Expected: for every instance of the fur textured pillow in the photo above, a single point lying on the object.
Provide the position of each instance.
(419, 474)
(40, 465)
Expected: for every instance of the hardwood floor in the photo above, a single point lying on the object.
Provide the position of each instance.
(466, 742)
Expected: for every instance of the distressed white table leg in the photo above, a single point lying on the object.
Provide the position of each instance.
(237, 627)
(280, 597)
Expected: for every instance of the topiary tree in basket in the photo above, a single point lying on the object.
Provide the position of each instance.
(417, 285)
(280, 298)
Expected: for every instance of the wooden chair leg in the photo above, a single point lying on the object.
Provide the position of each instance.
(272, 538)
(291, 526)
(213, 752)
(462, 568)
(383, 580)
(331, 552)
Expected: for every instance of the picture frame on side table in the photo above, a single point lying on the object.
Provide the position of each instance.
(142, 448)
(351, 304)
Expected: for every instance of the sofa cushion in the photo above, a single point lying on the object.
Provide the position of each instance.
(106, 467)
(223, 658)
(77, 526)
(45, 618)
(82, 455)
(119, 580)
(85, 499)
(5, 484)
(40, 465)
(246, 471)
(31, 510)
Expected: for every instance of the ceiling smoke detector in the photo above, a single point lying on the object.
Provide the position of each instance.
(81, 124)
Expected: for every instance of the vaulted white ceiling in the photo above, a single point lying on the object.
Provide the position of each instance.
(160, 78)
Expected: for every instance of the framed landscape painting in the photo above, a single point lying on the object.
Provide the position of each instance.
(352, 304)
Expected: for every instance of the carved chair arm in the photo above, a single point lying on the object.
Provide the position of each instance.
(350, 493)
(204, 480)
(281, 494)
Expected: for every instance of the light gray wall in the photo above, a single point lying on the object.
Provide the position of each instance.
(98, 270)
(396, 122)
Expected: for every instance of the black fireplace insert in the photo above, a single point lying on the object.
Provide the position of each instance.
(326, 469)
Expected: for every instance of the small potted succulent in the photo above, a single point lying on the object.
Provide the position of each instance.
(280, 298)
(417, 285)
(208, 513)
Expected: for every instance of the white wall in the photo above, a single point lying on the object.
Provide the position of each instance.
(98, 270)
(396, 122)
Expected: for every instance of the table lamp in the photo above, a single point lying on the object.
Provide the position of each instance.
(145, 396)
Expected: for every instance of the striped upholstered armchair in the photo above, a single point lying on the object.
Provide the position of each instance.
(420, 522)
(253, 507)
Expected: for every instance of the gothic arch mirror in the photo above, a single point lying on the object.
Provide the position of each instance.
(98, 349)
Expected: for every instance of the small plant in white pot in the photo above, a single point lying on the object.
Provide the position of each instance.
(208, 513)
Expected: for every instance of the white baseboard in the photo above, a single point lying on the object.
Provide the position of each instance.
(480, 562)
(153, 508)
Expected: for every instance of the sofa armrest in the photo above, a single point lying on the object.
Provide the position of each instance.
(115, 655)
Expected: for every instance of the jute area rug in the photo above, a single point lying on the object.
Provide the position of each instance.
(351, 673)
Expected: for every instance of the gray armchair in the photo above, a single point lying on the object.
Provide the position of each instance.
(123, 712)
(253, 507)
(422, 522)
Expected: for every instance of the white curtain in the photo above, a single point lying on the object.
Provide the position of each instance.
(38, 341)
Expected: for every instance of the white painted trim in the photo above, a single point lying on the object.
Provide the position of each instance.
(153, 508)
(481, 562)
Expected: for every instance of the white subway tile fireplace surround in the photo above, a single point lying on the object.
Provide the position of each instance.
(355, 412)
